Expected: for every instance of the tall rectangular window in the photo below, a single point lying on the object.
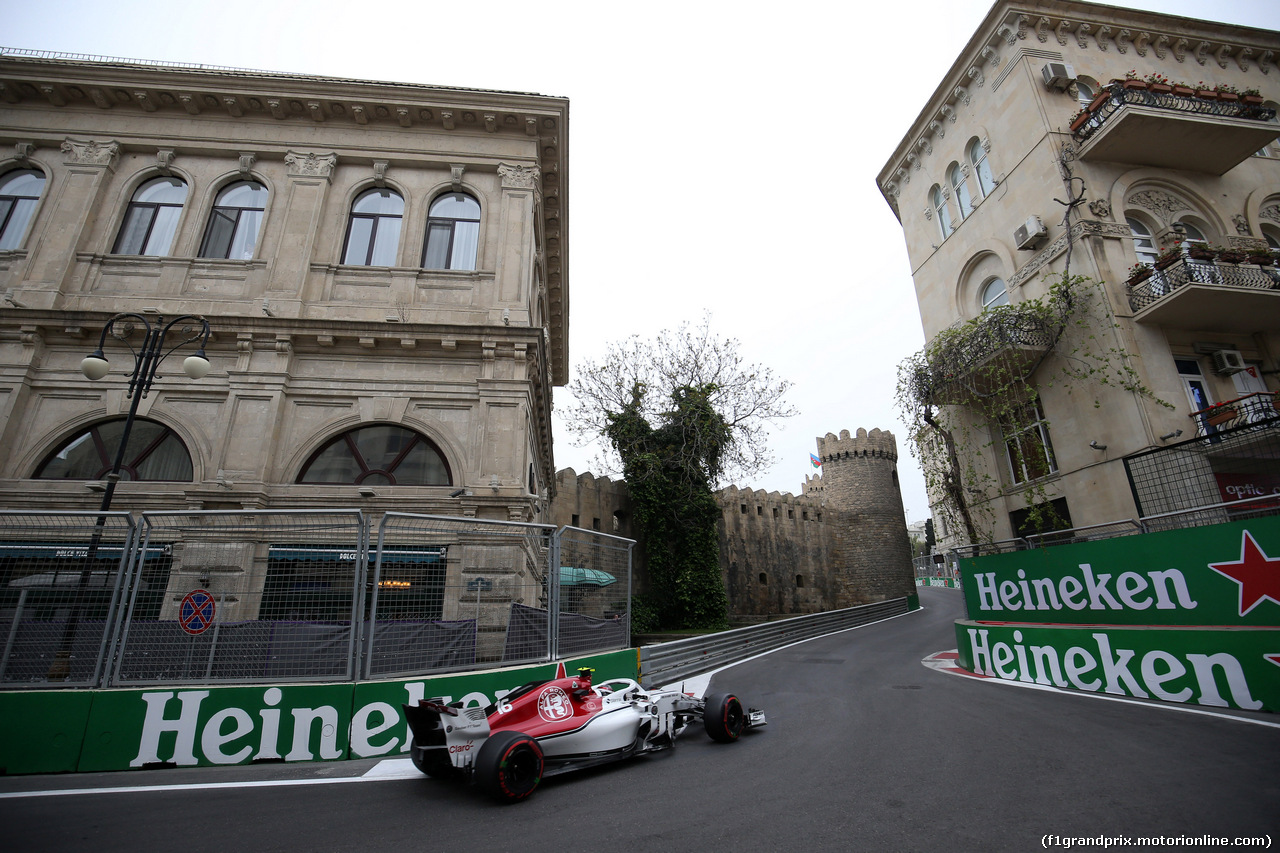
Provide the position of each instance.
(1026, 441)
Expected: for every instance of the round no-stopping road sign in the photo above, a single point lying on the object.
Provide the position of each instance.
(195, 615)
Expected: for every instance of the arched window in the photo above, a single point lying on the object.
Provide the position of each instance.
(453, 233)
(154, 452)
(373, 234)
(1084, 93)
(981, 168)
(19, 192)
(994, 293)
(956, 177)
(234, 223)
(940, 208)
(378, 455)
(1143, 243)
(152, 218)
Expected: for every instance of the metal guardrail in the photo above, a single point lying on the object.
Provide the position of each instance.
(668, 663)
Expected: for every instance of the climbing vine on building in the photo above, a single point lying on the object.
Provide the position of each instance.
(978, 385)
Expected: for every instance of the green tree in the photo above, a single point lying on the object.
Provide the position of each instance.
(680, 413)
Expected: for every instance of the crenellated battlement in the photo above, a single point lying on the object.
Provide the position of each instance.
(877, 443)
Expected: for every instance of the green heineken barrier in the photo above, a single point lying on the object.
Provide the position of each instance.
(59, 731)
(1224, 574)
(1222, 667)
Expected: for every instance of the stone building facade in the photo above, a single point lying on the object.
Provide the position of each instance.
(841, 542)
(976, 184)
(383, 267)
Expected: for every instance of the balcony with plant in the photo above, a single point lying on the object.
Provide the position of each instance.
(1153, 121)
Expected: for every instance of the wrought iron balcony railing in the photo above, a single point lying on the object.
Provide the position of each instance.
(1003, 344)
(1118, 95)
(1251, 410)
(1159, 284)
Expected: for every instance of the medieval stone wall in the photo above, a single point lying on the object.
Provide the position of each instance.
(841, 542)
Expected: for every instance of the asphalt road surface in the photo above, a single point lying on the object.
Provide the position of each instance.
(866, 749)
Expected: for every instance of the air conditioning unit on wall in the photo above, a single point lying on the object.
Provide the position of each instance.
(1227, 362)
(1030, 234)
(1058, 75)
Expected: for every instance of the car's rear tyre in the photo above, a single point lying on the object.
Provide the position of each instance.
(435, 763)
(509, 766)
(723, 717)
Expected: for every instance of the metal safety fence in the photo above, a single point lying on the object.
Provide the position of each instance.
(668, 663)
(231, 596)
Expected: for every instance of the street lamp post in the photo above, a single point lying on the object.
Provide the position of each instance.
(146, 360)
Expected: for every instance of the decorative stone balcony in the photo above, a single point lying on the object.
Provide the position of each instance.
(1132, 122)
(1208, 295)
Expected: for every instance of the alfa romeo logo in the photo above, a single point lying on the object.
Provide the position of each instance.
(553, 705)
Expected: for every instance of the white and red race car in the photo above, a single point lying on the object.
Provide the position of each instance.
(547, 727)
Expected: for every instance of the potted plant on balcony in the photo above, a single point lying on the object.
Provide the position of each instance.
(1219, 415)
(1206, 92)
(1159, 84)
(1226, 92)
(1230, 255)
(1139, 273)
(1261, 257)
(1167, 257)
(1078, 120)
(1183, 89)
(1251, 96)
(1133, 81)
(1200, 252)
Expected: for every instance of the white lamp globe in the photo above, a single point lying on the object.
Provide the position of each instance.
(197, 366)
(95, 366)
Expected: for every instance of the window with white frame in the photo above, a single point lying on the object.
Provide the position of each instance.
(940, 209)
(981, 168)
(151, 220)
(233, 225)
(1026, 440)
(994, 294)
(960, 185)
(453, 233)
(373, 231)
(19, 193)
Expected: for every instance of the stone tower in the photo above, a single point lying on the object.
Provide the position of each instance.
(860, 485)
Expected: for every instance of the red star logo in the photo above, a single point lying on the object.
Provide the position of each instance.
(1257, 574)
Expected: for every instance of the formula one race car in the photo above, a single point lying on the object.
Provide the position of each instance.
(547, 727)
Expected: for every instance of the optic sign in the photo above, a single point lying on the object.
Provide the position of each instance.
(195, 615)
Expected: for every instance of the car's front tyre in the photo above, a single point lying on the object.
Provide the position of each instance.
(723, 717)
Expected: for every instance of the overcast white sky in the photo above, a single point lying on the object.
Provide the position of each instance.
(721, 158)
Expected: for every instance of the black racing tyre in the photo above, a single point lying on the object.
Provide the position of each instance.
(509, 766)
(723, 717)
(434, 763)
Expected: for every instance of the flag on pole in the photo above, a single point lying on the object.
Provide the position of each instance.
(817, 463)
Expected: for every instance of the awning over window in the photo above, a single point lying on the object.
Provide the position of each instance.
(570, 576)
(73, 551)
